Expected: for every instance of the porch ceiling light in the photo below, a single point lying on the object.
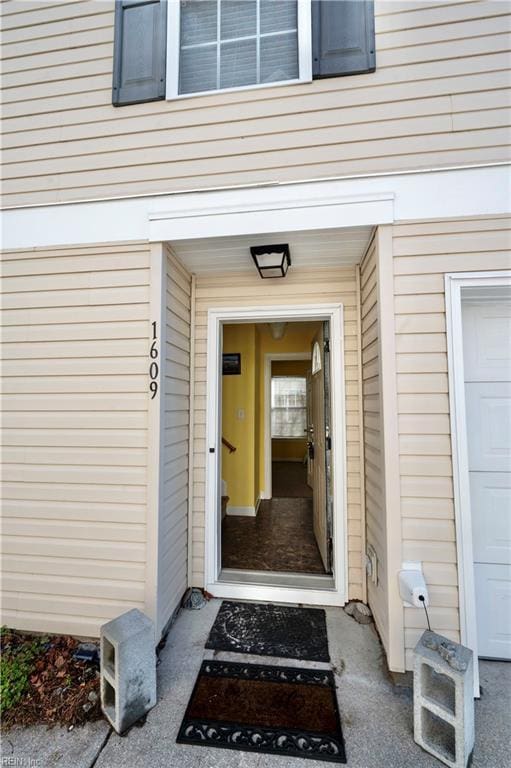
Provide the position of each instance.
(271, 260)
(277, 330)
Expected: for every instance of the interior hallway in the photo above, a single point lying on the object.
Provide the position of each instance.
(289, 480)
(281, 536)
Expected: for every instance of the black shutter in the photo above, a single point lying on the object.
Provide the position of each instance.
(342, 37)
(140, 46)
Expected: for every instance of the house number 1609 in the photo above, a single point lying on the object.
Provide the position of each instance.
(153, 367)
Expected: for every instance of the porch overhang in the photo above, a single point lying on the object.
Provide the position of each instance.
(268, 211)
(310, 249)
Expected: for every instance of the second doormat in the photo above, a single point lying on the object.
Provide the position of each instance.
(256, 708)
(270, 630)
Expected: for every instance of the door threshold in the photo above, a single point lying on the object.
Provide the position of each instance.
(277, 579)
(272, 587)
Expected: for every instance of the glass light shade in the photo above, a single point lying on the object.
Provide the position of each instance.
(277, 330)
(271, 260)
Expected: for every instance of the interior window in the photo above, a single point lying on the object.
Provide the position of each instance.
(288, 406)
(233, 43)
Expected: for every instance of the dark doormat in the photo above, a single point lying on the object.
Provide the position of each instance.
(256, 708)
(270, 630)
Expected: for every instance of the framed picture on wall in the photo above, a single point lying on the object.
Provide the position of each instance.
(231, 364)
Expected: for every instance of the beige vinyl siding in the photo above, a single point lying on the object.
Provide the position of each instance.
(74, 434)
(423, 253)
(439, 97)
(173, 527)
(300, 287)
(376, 527)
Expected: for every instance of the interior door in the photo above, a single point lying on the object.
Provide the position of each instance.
(320, 440)
(487, 359)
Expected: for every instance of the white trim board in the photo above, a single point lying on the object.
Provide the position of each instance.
(216, 318)
(268, 359)
(455, 283)
(276, 594)
(297, 206)
(241, 511)
(286, 579)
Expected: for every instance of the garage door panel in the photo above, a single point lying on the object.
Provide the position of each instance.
(486, 341)
(487, 365)
(489, 426)
(493, 599)
(491, 519)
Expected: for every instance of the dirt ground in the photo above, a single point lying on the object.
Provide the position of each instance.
(43, 683)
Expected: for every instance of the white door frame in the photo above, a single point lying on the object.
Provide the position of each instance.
(454, 284)
(336, 595)
(268, 359)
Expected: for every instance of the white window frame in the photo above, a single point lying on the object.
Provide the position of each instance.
(173, 51)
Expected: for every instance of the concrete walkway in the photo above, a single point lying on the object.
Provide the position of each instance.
(377, 717)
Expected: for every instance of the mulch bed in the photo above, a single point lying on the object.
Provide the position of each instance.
(61, 690)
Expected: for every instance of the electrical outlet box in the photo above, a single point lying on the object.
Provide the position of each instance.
(412, 585)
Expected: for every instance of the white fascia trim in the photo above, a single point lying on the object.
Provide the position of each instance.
(275, 214)
(333, 203)
(260, 185)
(455, 283)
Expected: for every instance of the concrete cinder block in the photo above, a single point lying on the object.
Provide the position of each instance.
(128, 669)
(443, 692)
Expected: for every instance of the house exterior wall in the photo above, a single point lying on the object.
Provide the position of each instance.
(423, 252)
(436, 99)
(374, 475)
(300, 286)
(75, 332)
(173, 505)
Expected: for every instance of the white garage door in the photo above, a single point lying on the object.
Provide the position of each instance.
(487, 358)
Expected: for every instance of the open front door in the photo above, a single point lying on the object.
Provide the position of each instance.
(320, 445)
(310, 478)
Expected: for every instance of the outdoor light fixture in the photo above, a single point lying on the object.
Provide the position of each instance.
(271, 260)
(277, 330)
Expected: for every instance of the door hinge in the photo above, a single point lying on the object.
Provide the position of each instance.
(326, 345)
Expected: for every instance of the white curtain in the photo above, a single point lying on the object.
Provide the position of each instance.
(288, 406)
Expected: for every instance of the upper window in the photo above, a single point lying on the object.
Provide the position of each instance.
(230, 44)
(179, 48)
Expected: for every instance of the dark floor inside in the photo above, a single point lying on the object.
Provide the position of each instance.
(289, 480)
(281, 536)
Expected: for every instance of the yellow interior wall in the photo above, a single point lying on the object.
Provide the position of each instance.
(289, 450)
(258, 435)
(238, 392)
